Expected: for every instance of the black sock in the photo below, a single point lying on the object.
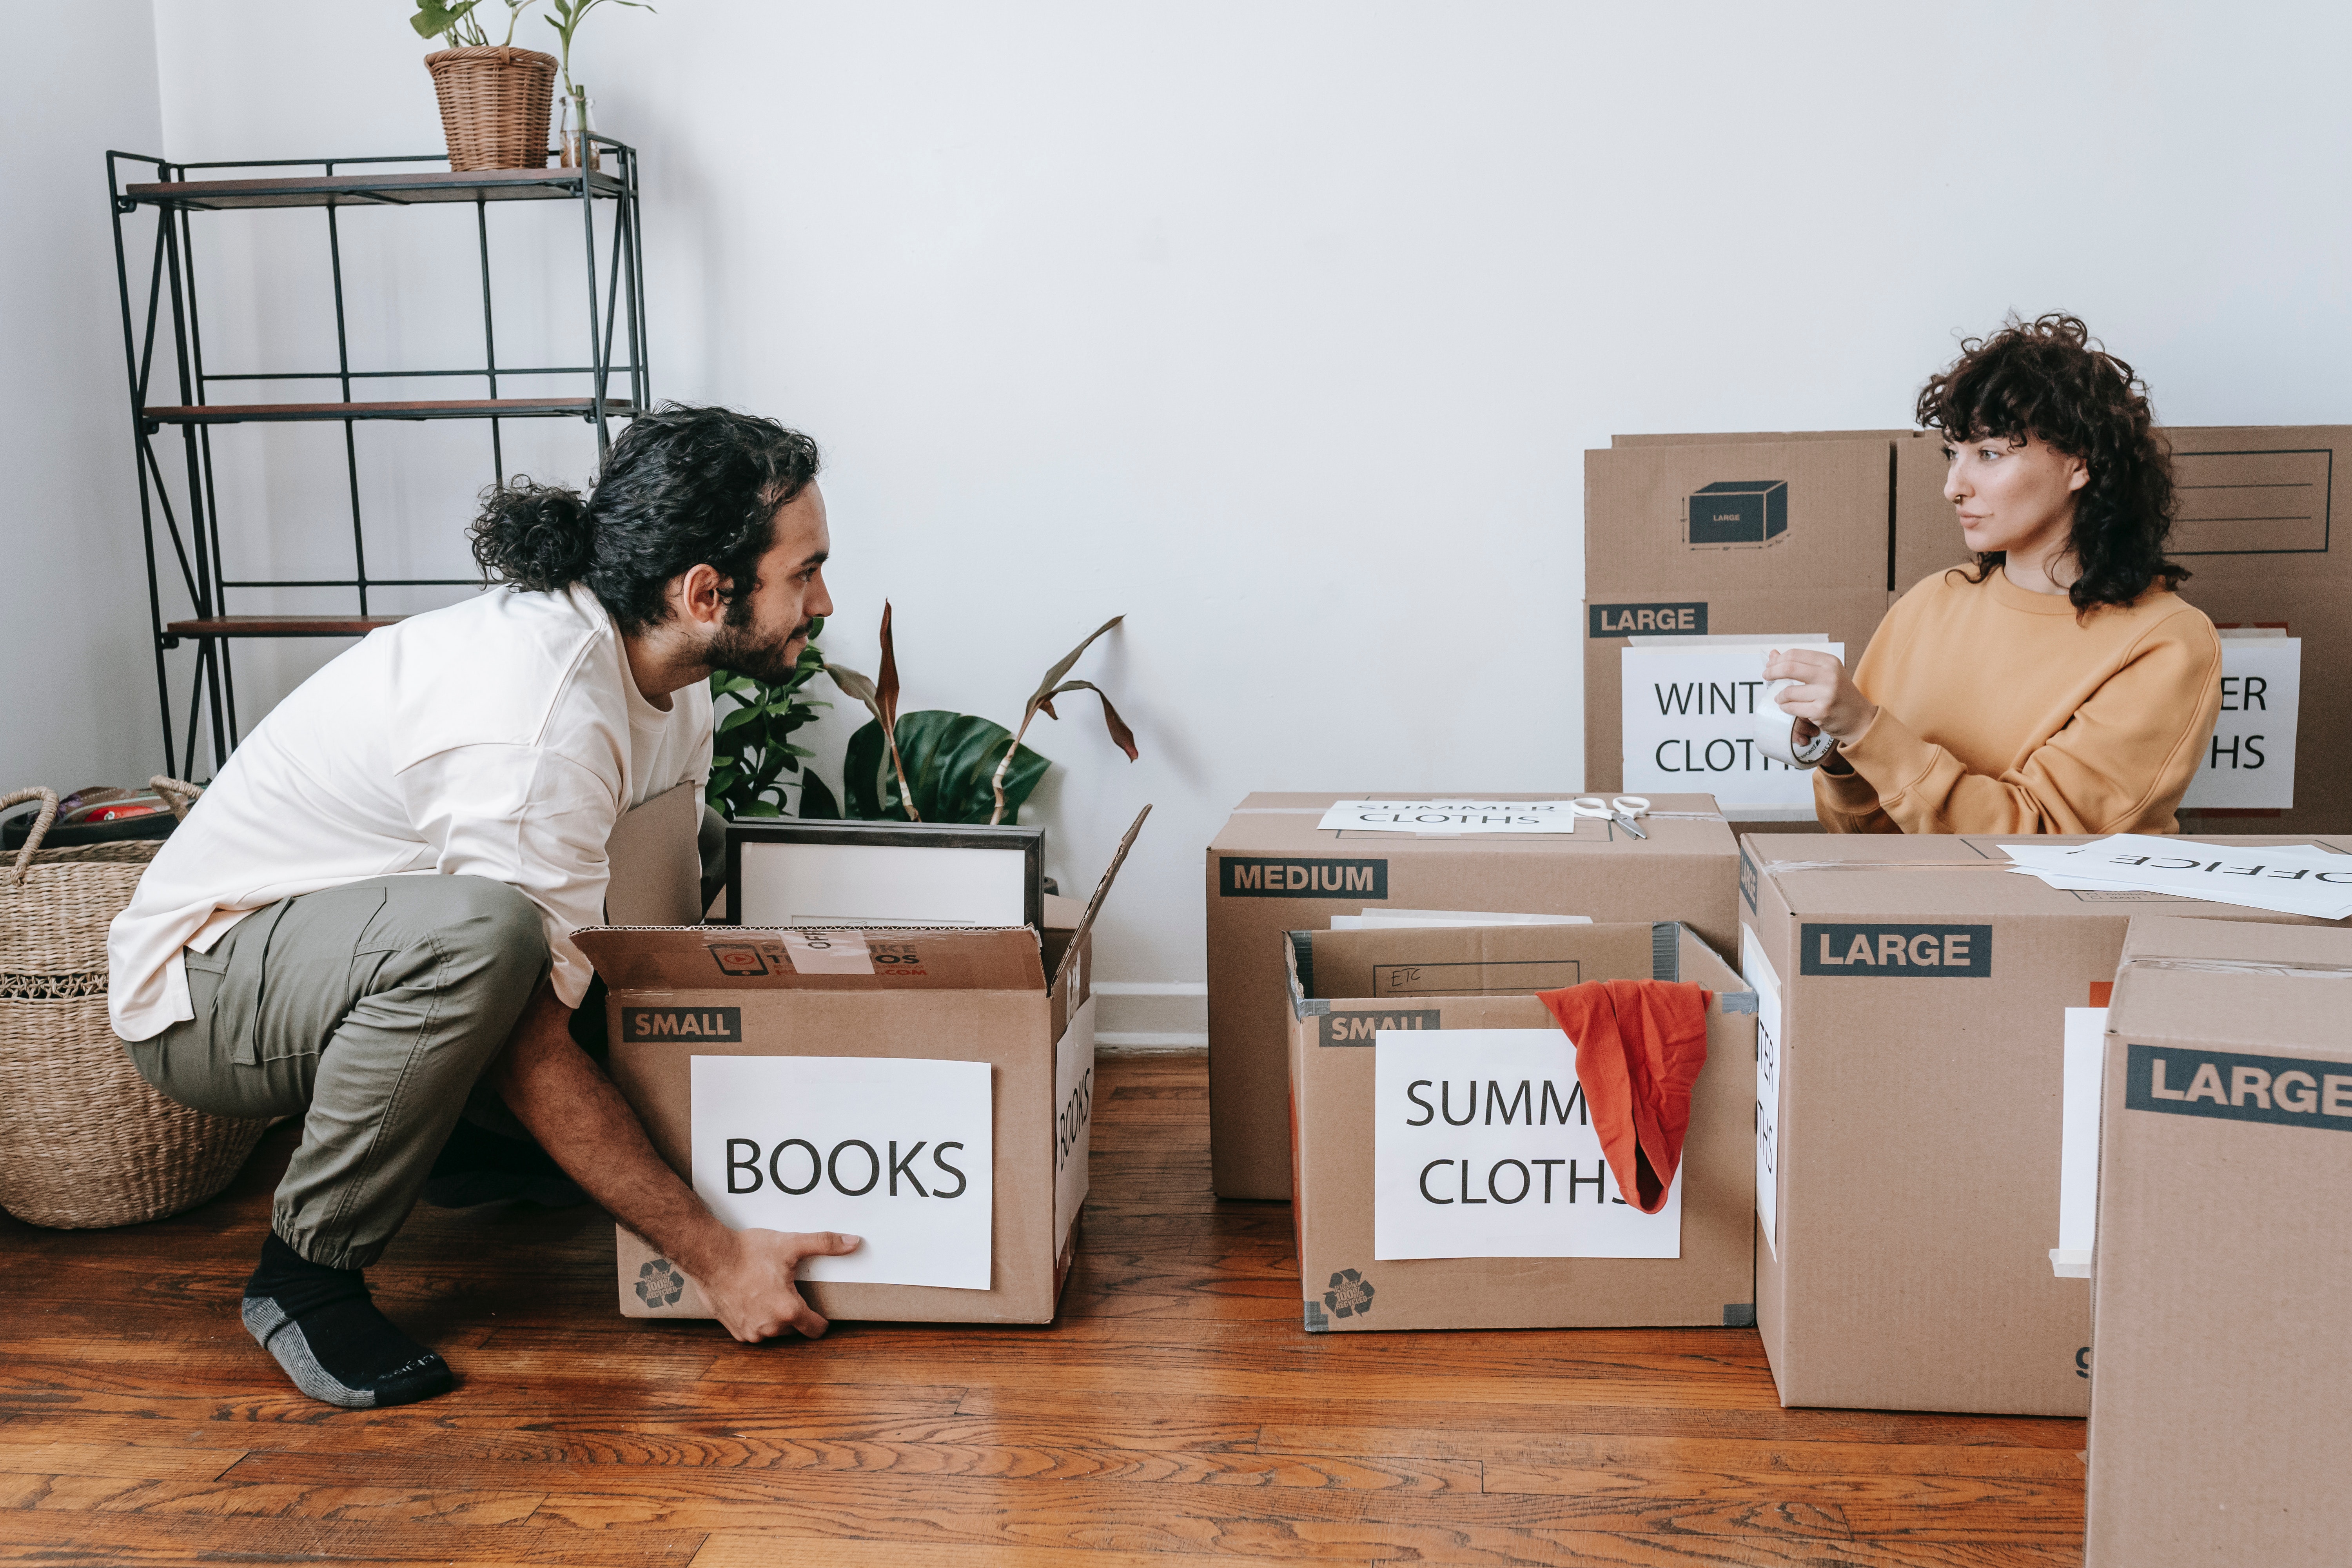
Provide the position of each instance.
(325, 1331)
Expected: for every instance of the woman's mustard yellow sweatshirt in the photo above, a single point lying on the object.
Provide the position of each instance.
(1998, 712)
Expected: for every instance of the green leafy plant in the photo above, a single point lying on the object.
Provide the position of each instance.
(569, 14)
(937, 766)
(457, 25)
(753, 759)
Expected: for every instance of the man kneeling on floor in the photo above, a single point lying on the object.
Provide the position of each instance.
(366, 920)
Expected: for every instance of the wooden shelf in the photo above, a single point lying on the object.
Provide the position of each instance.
(373, 190)
(279, 626)
(438, 408)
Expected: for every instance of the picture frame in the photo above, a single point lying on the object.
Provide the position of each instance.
(784, 872)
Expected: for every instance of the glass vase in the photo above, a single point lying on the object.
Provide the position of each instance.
(576, 151)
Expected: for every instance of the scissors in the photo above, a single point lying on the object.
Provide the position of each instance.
(1621, 811)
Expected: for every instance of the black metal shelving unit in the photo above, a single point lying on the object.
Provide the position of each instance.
(617, 384)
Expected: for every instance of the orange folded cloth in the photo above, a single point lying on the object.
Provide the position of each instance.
(1639, 1048)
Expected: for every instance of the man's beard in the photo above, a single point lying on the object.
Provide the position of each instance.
(740, 650)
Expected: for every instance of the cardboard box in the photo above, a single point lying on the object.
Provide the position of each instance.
(1271, 869)
(686, 1002)
(2221, 1407)
(1346, 986)
(1744, 534)
(1912, 999)
(2257, 527)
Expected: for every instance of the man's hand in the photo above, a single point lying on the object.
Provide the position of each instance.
(749, 1280)
(1826, 699)
(578, 1116)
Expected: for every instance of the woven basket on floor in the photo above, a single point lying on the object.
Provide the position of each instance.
(84, 1141)
(495, 104)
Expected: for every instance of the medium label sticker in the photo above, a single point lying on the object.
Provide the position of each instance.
(827, 953)
(1916, 951)
(1245, 876)
(2235, 1087)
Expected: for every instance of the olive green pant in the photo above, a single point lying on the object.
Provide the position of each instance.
(371, 1011)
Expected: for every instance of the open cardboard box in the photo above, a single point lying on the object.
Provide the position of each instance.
(1345, 986)
(945, 994)
(1272, 869)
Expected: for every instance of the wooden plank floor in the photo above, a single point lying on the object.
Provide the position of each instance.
(1175, 1416)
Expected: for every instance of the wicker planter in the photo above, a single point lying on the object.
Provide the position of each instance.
(495, 104)
(84, 1141)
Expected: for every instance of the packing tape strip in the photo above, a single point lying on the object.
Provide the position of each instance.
(2238, 966)
(1775, 734)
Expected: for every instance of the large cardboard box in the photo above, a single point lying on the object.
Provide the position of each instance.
(2257, 527)
(1912, 1000)
(1780, 535)
(686, 1005)
(2222, 1403)
(1345, 986)
(1271, 869)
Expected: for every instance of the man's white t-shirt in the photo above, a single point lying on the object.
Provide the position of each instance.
(501, 737)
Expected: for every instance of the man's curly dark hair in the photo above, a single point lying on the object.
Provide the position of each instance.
(682, 486)
(2051, 381)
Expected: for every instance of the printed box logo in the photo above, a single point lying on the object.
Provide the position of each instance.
(1242, 876)
(1737, 511)
(2236, 1087)
(702, 1026)
(1919, 951)
(1646, 620)
(1357, 1029)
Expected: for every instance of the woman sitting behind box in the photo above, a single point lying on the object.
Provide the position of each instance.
(2060, 685)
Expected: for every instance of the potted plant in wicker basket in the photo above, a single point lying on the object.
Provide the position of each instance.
(494, 98)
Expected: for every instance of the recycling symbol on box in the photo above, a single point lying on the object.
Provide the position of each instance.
(1350, 1295)
(659, 1284)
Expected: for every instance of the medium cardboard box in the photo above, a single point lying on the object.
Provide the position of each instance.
(2257, 527)
(686, 1002)
(2222, 1405)
(1271, 869)
(1775, 536)
(1346, 986)
(1912, 997)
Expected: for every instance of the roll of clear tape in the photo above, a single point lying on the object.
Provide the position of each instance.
(1776, 733)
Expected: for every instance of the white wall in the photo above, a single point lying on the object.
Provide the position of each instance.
(76, 674)
(1281, 329)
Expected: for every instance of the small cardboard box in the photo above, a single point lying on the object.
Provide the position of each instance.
(1911, 1050)
(2221, 1407)
(1764, 534)
(681, 995)
(1346, 986)
(1271, 869)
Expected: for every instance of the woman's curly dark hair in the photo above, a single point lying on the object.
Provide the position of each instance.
(682, 486)
(2051, 381)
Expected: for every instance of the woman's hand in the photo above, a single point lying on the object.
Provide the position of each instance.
(1826, 699)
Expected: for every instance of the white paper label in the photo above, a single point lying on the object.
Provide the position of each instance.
(2288, 880)
(1074, 1109)
(896, 1150)
(1690, 723)
(1451, 816)
(2086, 1051)
(1483, 1147)
(2250, 761)
(827, 953)
(1757, 971)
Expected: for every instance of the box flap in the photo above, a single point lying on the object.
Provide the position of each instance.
(1094, 904)
(760, 958)
(2256, 946)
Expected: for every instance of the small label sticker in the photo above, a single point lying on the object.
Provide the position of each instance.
(827, 953)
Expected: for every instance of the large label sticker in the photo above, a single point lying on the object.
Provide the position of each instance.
(1483, 1147)
(895, 1151)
